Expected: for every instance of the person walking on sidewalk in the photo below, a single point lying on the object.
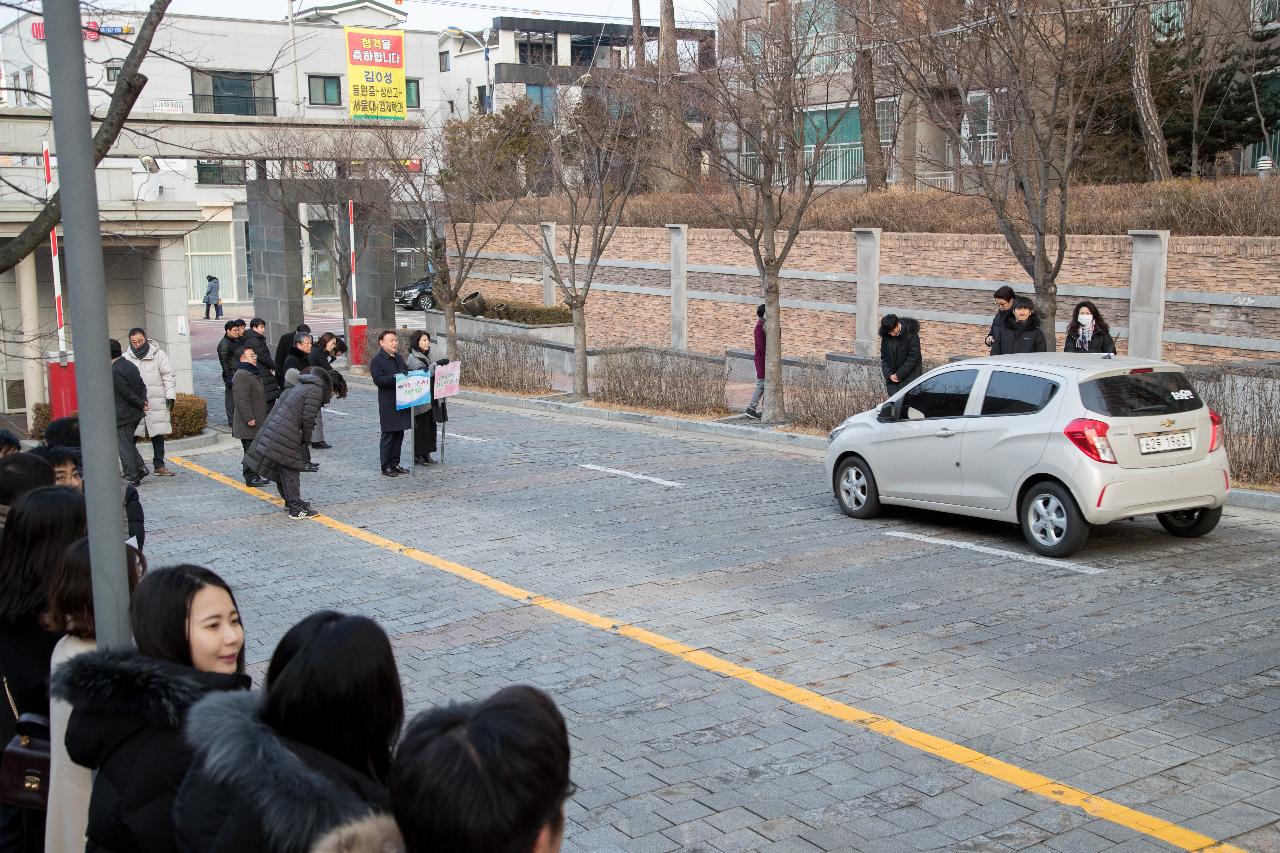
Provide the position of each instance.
(383, 370)
(250, 406)
(900, 360)
(1087, 331)
(131, 407)
(233, 331)
(279, 451)
(256, 337)
(1021, 332)
(162, 392)
(213, 296)
(753, 408)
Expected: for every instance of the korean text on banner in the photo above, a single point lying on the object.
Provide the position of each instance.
(448, 379)
(413, 389)
(375, 73)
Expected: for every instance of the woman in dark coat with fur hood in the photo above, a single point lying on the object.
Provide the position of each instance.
(900, 360)
(276, 771)
(128, 707)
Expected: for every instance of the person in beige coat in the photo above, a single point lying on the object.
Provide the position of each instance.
(162, 393)
(71, 609)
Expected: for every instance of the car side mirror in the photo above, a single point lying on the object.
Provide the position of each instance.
(888, 412)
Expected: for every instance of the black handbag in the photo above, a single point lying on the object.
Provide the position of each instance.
(24, 767)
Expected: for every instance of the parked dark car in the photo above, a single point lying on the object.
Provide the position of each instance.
(416, 296)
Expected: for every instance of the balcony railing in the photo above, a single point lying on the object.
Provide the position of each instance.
(235, 105)
(1265, 12)
(220, 172)
(839, 163)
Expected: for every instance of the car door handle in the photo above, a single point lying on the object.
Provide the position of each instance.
(946, 432)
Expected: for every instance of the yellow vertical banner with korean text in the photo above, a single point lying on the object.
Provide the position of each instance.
(375, 74)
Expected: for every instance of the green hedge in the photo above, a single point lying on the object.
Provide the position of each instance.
(529, 313)
(189, 417)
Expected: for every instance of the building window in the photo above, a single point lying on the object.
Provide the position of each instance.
(413, 93)
(482, 99)
(325, 91)
(545, 98)
(113, 71)
(31, 87)
(243, 93)
(220, 172)
(17, 90)
(1266, 12)
(209, 252)
(444, 60)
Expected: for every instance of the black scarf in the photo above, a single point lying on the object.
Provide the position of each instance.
(252, 368)
(141, 352)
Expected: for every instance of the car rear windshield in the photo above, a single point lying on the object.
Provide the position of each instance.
(1137, 395)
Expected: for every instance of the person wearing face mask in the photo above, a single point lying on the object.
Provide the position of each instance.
(1087, 331)
(1021, 332)
(162, 392)
(425, 418)
(128, 707)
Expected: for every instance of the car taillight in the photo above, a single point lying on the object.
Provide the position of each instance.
(1091, 437)
(1215, 440)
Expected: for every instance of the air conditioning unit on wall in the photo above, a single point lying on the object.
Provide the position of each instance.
(15, 395)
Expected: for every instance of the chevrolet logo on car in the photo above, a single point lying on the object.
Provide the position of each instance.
(1167, 422)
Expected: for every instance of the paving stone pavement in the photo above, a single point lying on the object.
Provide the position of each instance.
(1154, 684)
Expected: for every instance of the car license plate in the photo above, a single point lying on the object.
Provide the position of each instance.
(1163, 442)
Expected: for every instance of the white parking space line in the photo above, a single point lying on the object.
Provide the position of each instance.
(633, 475)
(999, 552)
(329, 411)
(465, 437)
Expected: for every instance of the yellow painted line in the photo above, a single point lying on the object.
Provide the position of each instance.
(1026, 780)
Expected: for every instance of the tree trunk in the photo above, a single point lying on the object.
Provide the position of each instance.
(668, 63)
(451, 325)
(872, 154)
(775, 410)
(579, 351)
(1046, 295)
(637, 35)
(1153, 140)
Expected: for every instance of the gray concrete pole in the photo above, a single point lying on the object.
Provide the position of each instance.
(32, 357)
(679, 286)
(548, 283)
(1146, 293)
(867, 319)
(87, 306)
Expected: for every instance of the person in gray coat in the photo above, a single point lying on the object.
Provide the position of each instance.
(279, 451)
(213, 296)
(131, 407)
(249, 405)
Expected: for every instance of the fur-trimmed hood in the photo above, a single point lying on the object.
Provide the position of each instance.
(244, 770)
(377, 834)
(910, 326)
(126, 684)
(1011, 322)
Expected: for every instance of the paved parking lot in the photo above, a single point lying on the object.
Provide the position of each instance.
(1144, 673)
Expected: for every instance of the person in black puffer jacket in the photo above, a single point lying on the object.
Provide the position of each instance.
(1088, 332)
(1021, 332)
(128, 707)
(279, 451)
(271, 774)
(900, 360)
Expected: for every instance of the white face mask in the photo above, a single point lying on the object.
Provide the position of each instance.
(1086, 320)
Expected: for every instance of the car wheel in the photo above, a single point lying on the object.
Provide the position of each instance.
(416, 304)
(1051, 521)
(1190, 523)
(855, 488)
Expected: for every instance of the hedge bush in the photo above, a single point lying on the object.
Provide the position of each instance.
(661, 379)
(189, 417)
(529, 313)
(510, 362)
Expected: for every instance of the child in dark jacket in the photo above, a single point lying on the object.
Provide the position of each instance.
(1021, 332)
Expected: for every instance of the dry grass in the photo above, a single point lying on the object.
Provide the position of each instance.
(1230, 206)
(820, 398)
(1249, 401)
(661, 380)
(507, 362)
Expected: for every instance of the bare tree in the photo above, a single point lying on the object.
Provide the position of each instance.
(597, 150)
(1013, 89)
(1153, 141)
(128, 87)
(774, 157)
(638, 41)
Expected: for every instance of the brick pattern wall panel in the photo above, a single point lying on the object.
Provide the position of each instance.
(1241, 265)
(623, 319)
(1223, 320)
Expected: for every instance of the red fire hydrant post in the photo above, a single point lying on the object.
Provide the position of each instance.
(357, 341)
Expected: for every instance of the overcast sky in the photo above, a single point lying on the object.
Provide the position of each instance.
(436, 14)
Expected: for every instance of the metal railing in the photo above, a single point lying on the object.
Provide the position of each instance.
(1265, 12)
(983, 148)
(838, 163)
(220, 172)
(937, 180)
(236, 105)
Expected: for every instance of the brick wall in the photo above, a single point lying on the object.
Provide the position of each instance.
(1245, 266)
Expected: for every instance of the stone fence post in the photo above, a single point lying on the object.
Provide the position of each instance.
(679, 286)
(1146, 293)
(548, 282)
(867, 319)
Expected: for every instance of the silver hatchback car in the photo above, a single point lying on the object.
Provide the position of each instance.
(1054, 442)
